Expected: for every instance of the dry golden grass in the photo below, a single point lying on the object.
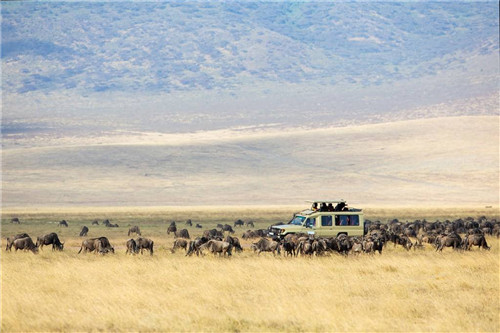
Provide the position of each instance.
(397, 291)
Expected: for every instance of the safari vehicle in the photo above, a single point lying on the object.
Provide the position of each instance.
(332, 218)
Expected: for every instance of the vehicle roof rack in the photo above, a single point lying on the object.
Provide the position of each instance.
(327, 201)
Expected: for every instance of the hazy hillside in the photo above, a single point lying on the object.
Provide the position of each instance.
(172, 66)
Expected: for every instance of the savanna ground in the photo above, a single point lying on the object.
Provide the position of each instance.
(397, 291)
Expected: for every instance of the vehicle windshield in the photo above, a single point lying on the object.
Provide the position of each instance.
(297, 220)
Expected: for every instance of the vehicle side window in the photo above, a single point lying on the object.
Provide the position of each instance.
(310, 222)
(326, 221)
(349, 220)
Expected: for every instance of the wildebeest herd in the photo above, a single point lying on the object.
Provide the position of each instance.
(460, 234)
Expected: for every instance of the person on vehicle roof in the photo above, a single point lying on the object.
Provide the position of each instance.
(314, 207)
(340, 206)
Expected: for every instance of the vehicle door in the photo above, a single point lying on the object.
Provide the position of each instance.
(324, 225)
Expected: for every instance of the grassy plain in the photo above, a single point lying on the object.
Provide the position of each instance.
(397, 291)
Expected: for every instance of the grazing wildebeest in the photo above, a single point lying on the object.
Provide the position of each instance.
(401, 240)
(144, 243)
(98, 245)
(220, 226)
(88, 245)
(84, 231)
(476, 240)
(172, 228)
(10, 240)
(15, 220)
(199, 226)
(194, 246)
(50, 239)
(25, 244)
(214, 246)
(112, 225)
(213, 233)
(95, 222)
(189, 222)
(106, 222)
(183, 233)
(450, 240)
(238, 223)
(131, 247)
(249, 224)
(228, 228)
(266, 245)
(235, 243)
(135, 229)
(249, 234)
(180, 243)
(63, 223)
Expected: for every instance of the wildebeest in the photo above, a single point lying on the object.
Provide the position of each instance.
(249, 234)
(135, 229)
(63, 223)
(172, 228)
(199, 226)
(25, 244)
(144, 243)
(84, 231)
(194, 245)
(238, 223)
(220, 226)
(451, 240)
(213, 233)
(189, 222)
(304, 246)
(95, 222)
(180, 243)
(109, 224)
(250, 224)
(10, 240)
(476, 240)
(98, 245)
(289, 247)
(103, 246)
(131, 247)
(401, 240)
(48, 239)
(235, 243)
(228, 228)
(214, 246)
(266, 245)
(15, 220)
(183, 233)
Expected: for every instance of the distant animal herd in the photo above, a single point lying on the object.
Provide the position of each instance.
(460, 234)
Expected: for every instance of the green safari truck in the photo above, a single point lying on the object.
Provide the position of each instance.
(325, 218)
